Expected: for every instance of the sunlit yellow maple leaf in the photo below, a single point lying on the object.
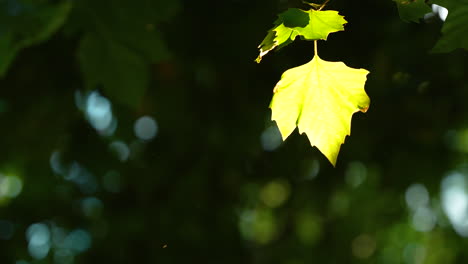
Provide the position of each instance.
(320, 98)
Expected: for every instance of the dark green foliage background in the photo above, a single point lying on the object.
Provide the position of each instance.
(190, 65)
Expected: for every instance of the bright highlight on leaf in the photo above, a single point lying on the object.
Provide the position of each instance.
(310, 25)
(320, 98)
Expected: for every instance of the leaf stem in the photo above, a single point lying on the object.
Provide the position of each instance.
(323, 5)
(315, 48)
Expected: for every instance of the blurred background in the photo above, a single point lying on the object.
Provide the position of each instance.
(139, 131)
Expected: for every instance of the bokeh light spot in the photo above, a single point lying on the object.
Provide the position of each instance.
(145, 128)
(10, 186)
(78, 241)
(356, 173)
(363, 246)
(258, 225)
(98, 110)
(416, 196)
(455, 201)
(308, 228)
(82, 177)
(38, 236)
(271, 138)
(56, 163)
(312, 169)
(275, 193)
(92, 207)
(424, 219)
(414, 254)
(120, 149)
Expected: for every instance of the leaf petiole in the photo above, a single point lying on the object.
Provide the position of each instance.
(315, 48)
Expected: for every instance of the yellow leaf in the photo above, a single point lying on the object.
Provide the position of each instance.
(320, 98)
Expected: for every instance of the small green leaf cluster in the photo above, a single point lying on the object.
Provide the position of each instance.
(308, 24)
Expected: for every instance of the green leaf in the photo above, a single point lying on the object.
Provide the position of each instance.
(454, 30)
(412, 10)
(122, 41)
(131, 23)
(121, 73)
(26, 24)
(320, 98)
(310, 25)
